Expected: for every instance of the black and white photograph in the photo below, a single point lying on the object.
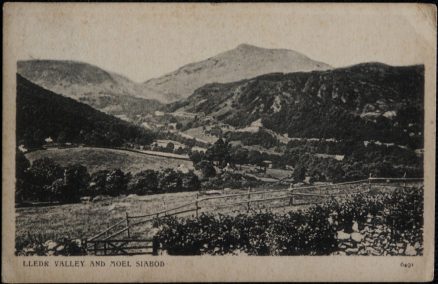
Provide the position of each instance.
(191, 132)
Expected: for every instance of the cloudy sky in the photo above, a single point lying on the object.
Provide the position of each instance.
(146, 41)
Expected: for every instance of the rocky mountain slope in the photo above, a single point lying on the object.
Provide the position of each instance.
(369, 101)
(108, 92)
(243, 62)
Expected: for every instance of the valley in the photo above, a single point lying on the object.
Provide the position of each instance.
(94, 147)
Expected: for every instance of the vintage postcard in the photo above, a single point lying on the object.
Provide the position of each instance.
(174, 142)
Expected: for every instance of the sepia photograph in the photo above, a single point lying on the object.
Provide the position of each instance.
(198, 130)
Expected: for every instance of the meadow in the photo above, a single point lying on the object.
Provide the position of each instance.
(83, 220)
(96, 159)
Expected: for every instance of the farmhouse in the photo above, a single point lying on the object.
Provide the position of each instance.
(267, 164)
(336, 157)
(172, 126)
(183, 169)
(48, 140)
(22, 148)
(199, 149)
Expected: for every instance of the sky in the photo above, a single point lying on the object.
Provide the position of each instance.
(143, 41)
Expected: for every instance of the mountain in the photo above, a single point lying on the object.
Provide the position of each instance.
(369, 101)
(42, 114)
(243, 62)
(106, 91)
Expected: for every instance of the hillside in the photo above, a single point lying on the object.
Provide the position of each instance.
(108, 92)
(243, 62)
(42, 114)
(369, 101)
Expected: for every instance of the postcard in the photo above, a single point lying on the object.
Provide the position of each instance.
(171, 142)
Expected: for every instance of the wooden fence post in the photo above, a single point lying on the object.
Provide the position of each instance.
(127, 224)
(404, 177)
(369, 182)
(104, 248)
(291, 200)
(249, 199)
(196, 203)
(155, 245)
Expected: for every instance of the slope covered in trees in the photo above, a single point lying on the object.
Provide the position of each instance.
(369, 101)
(42, 114)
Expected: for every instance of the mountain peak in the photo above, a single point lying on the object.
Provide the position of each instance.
(243, 62)
(247, 46)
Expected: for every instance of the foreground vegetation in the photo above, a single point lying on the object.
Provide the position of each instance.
(386, 221)
(318, 230)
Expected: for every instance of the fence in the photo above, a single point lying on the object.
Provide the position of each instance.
(123, 247)
(109, 246)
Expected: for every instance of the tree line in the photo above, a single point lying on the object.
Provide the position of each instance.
(46, 181)
(358, 160)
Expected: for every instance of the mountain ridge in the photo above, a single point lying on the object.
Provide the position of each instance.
(106, 91)
(369, 101)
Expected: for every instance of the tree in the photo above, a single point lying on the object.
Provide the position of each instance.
(144, 182)
(22, 165)
(239, 155)
(334, 171)
(62, 137)
(219, 152)
(206, 168)
(170, 181)
(45, 171)
(191, 142)
(196, 156)
(76, 180)
(98, 183)
(37, 138)
(56, 191)
(299, 173)
(169, 147)
(116, 182)
(23, 189)
(190, 181)
(255, 157)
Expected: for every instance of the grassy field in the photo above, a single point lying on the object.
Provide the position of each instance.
(198, 133)
(102, 159)
(83, 220)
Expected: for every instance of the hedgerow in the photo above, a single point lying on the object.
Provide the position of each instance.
(303, 232)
